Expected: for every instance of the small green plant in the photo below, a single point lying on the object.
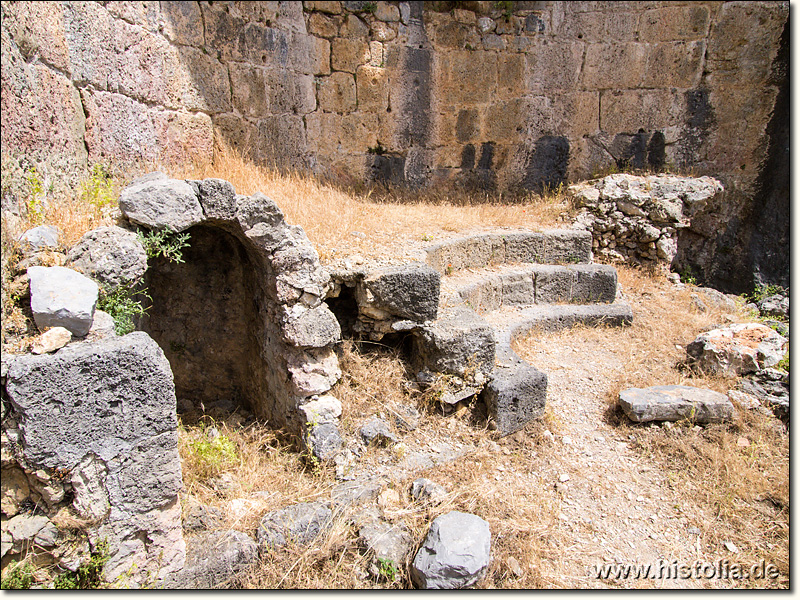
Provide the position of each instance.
(387, 568)
(370, 7)
(506, 6)
(35, 204)
(212, 454)
(377, 149)
(783, 364)
(764, 291)
(124, 304)
(18, 577)
(99, 188)
(66, 581)
(166, 243)
(688, 277)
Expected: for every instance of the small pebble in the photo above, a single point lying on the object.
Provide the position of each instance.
(564, 477)
(730, 547)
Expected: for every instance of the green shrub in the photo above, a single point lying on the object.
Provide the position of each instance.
(18, 577)
(99, 188)
(123, 305)
(164, 242)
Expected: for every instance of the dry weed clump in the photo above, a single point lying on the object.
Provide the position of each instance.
(331, 215)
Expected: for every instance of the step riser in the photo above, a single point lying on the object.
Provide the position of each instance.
(547, 247)
(543, 285)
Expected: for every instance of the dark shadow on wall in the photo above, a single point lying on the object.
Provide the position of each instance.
(769, 245)
(546, 165)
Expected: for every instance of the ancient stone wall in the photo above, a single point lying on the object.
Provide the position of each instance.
(494, 95)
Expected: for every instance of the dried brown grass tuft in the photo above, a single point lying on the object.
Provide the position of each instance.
(330, 214)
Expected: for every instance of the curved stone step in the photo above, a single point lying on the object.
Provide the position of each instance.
(488, 290)
(554, 246)
(517, 391)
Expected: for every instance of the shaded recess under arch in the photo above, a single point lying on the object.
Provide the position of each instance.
(242, 319)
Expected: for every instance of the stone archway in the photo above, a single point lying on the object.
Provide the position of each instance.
(242, 319)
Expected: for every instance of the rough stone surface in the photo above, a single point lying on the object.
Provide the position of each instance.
(676, 403)
(776, 305)
(425, 490)
(515, 396)
(161, 203)
(377, 431)
(404, 292)
(213, 559)
(325, 409)
(104, 412)
(456, 351)
(387, 541)
(737, 350)
(455, 554)
(61, 297)
(324, 440)
(52, 340)
(636, 217)
(297, 524)
(112, 256)
(44, 237)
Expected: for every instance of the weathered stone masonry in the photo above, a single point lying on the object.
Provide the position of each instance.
(545, 92)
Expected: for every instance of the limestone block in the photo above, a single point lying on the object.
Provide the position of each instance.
(455, 554)
(282, 140)
(313, 371)
(61, 297)
(675, 64)
(676, 403)
(618, 25)
(197, 81)
(314, 327)
(348, 54)
(337, 93)
(118, 126)
(217, 199)
(144, 14)
(290, 92)
(41, 108)
(321, 54)
(631, 110)
(183, 137)
(504, 120)
(162, 203)
(387, 12)
(624, 64)
(511, 75)
(332, 7)
(111, 256)
(43, 237)
(554, 66)
(93, 37)
(214, 558)
(250, 90)
(372, 88)
(323, 440)
(382, 32)
(467, 77)
(584, 109)
(325, 409)
(354, 28)
(518, 288)
(671, 23)
(38, 29)
(515, 396)
(143, 65)
(180, 23)
(323, 25)
(223, 32)
(737, 350)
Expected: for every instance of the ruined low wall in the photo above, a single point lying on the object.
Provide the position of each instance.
(486, 94)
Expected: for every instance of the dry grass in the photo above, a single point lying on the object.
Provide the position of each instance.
(330, 215)
(743, 489)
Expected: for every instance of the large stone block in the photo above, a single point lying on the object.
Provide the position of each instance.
(180, 22)
(672, 23)
(161, 203)
(631, 110)
(119, 127)
(291, 93)
(515, 396)
(623, 64)
(372, 88)
(676, 403)
(105, 411)
(349, 54)
(455, 554)
(250, 85)
(61, 297)
(197, 81)
(554, 66)
(41, 108)
(110, 255)
(406, 291)
(323, 25)
(37, 28)
(674, 64)
(337, 93)
(467, 77)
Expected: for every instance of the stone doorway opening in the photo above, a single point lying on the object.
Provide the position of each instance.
(205, 316)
